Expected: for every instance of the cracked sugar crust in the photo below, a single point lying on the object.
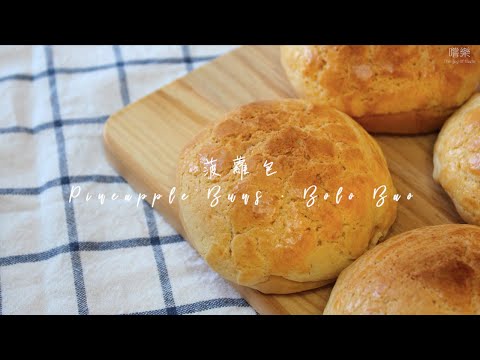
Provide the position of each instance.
(390, 89)
(430, 270)
(280, 245)
(457, 160)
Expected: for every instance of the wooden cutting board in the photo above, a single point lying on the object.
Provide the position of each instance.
(144, 140)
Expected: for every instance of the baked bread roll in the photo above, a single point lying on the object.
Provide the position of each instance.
(387, 89)
(456, 160)
(430, 270)
(281, 245)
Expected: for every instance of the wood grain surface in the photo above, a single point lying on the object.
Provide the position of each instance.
(144, 139)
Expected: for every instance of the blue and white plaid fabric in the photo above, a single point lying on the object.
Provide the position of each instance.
(79, 257)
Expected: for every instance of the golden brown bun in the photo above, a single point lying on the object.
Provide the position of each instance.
(456, 160)
(387, 89)
(281, 246)
(431, 270)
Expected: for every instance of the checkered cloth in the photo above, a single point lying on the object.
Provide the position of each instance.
(81, 257)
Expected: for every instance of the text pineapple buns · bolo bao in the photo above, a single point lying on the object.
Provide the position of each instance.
(387, 89)
(281, 245)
